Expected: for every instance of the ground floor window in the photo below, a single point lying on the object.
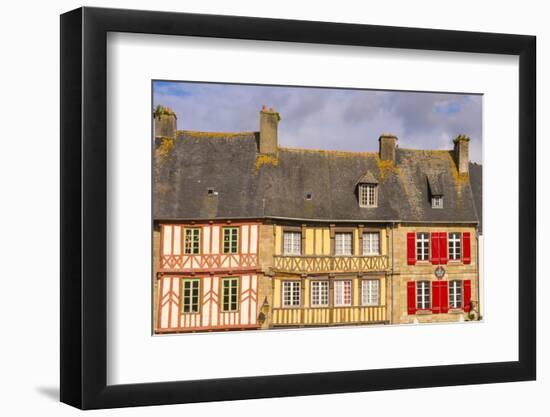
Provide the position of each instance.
(190, 296)
(342, 293)
(319, 293)
(230, 292)
(291, 293)
(455, 294)
(423, 294)
(370, 292)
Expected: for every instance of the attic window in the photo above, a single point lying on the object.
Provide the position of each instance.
(368, 195)
(437, 201)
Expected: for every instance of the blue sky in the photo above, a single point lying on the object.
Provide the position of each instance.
(328, 118)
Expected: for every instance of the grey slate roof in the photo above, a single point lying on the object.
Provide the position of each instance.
(249, 185)
(435, 184)
(476, 183)
(368, 178)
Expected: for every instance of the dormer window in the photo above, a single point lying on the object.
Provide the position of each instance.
(435, 190)
(437, 201)
(368, 195)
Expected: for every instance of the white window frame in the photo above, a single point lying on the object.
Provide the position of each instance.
(340, 245)
(341, 288)
(370, 292)
(455, 294)
(319, 293)
(422, 246)
(368, 195)
(292, 243)
(423, 295)
(455, 246)
(291, 293)
(437, 201)
(371, 246)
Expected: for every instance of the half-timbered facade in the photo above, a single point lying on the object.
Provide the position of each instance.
(208, 276)
(252, 235)
(330, 275)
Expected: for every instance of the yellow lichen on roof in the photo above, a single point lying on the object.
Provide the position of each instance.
(460, 179)
(341, 154)
(263, 159)
(166, 146)
(199, 134)
(384, 167)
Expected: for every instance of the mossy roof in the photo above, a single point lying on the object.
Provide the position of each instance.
(250, 185)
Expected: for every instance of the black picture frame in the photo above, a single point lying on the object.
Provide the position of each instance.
(84, 207)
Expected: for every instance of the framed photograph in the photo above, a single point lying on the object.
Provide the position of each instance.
(256, 208)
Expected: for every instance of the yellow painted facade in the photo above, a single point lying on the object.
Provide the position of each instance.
(317, 240)
(318, 262)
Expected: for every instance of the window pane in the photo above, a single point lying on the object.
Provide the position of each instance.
(370, 292)
(291, 293)
(455, 294)
(191, 241)
(454, 246)
(319, 293)
(371, 243)
(343, 244)
(423, 294)
(230, 239)
(190, 296)
(342, 293)
(422, 246)
(437, 202)
(230, 294)
(368, 195)
(292, 243)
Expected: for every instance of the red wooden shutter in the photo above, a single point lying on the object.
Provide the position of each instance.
(444, 296)
(411, 248)
(436, 297)
(467, 294)
(435, 248)
(443, 258)
(411, 297)
(466, 257)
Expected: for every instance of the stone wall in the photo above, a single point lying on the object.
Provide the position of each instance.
(424, 270)
(265, 280)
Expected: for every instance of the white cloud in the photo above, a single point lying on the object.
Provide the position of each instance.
(324, 118)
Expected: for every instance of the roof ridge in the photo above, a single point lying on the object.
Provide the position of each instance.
(424, 150)
(329, 151)
(201, 133)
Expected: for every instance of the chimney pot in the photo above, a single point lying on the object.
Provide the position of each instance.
(387, 145)
(165, 122)
(269, 121)
(462, 153)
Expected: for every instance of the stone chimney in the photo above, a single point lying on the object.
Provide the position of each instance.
(462, 153)
(388, 143)
(165, 122)
(269, 120)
